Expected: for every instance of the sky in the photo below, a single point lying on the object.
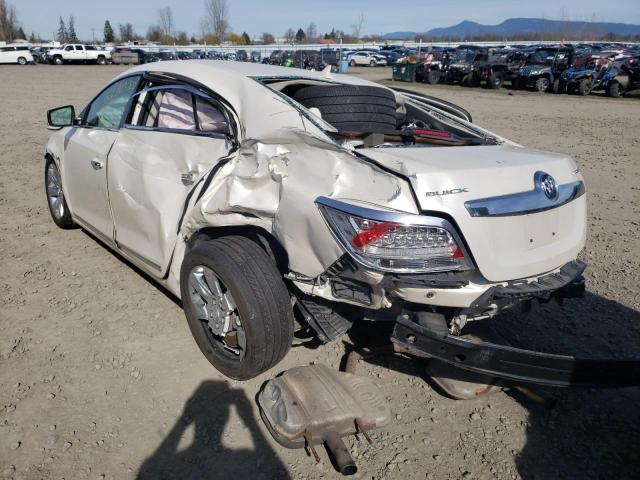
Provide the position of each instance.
(276, 16)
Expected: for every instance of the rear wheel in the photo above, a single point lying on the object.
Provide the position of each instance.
(372, 63)
(22, 61)
(58, 208)
(352, 63)
(433, 77)
(102, 61)
(542, 84)
(237, 306)
(495, 81)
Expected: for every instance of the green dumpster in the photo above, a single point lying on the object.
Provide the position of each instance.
(404, 72)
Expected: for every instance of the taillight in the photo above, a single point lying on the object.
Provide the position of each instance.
(408, 245)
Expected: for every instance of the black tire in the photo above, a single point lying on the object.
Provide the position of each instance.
(372, 63)
(352, 63)
(101, 61)
(584, 87)
(61, 218)
(329, 320)
(558, 86)
(22, 61)
(495, 81)
(262, 301)
(466, 81)
(613, 89)
(352, 108)
(542, 84)
(433, 77)
(58, 60)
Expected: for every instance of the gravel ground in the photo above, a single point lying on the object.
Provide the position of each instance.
(100, 378)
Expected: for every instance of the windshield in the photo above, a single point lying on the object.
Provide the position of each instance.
(463, 55)
(542, 57)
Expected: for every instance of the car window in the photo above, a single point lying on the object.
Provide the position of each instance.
(178, 109)
(107, 109)
(89, 47)
(68, 48)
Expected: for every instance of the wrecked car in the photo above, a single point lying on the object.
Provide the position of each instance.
(253, 191)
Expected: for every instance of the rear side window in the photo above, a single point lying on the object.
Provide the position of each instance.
(178, 109)
(89, 47)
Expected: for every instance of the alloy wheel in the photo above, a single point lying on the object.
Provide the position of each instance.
(55, 195)
(216, 308)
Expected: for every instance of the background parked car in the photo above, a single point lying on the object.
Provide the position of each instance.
(78, 53)
(128, 56)
(12, 54)
(366, 58)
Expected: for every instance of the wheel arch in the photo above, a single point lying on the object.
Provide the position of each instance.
(265, 239)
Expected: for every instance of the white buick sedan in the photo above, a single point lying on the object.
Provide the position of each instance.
(255, 192)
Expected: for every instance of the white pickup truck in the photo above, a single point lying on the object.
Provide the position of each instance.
(71, 53)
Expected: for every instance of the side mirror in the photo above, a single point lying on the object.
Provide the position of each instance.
(61, 117)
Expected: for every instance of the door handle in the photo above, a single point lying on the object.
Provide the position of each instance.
(96, 164)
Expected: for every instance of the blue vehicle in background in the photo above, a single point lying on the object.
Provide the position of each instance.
(584, 79)
(625, 78)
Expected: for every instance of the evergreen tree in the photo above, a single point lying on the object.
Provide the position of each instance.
(62, 31)
(247, 38)
(109, 37)
(300, 36)
(21, 35)
(71, 30)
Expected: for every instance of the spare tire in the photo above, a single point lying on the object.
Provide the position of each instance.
(352, 108)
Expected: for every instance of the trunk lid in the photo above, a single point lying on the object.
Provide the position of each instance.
(503, 247)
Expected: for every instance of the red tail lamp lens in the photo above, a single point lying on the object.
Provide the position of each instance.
(364, 238)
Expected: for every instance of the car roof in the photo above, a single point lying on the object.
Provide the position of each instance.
(254, 103)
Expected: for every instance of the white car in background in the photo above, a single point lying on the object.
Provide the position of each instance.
(367, 58)
(15, 54)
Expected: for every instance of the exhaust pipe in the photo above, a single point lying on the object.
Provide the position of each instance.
(338, 450)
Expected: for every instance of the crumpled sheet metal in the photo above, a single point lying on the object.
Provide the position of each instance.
(272, 183)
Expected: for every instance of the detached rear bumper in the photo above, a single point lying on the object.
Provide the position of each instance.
(514, 364)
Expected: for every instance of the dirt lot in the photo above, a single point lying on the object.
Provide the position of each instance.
(100, 378)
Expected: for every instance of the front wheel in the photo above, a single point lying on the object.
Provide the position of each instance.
(613, 89)
(352, 63)
(22, 61)
(58, 208)
(372, 63)
(237, 306)
(542, 84)
(433, 77)
(584, 88)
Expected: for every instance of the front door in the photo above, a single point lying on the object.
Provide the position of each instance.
(87, 147)
(175, 136)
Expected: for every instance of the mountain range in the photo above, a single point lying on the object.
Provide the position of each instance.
(523, 26)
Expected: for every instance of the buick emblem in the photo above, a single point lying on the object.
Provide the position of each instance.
(549, 186)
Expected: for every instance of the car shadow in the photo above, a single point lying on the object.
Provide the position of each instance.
(208, 411)
(585, 432)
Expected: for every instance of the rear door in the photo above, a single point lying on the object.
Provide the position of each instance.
(174, 136)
